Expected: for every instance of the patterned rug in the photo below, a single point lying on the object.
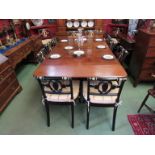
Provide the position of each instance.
(142, 124)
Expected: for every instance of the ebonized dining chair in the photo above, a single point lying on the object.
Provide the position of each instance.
(103, 92)
(151, 92)
(112, 42)
(57, 91)
(41, 54)
(121, 54)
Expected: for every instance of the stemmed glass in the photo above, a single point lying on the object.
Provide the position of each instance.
(80, 40)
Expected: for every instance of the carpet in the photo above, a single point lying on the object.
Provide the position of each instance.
(142, 124)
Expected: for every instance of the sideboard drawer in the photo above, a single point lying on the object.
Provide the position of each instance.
(150, 52)
(5, 73)
(6, 64)
(147, 74)
(7, 81)
(152, 42)
(8, 93)
(149, 63)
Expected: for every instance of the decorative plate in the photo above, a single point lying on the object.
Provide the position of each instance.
(28, 26)
(37, 22)
(98, 39)
(76, 23)
(78, 53)
(101, 46)
(84, 23)
(55, 56)
(108, 57)
(90, 23)
(64, 40)
(68, 47)
(69, 24)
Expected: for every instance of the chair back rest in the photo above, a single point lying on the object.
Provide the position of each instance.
(121, 53)
(112, 42)
(56, 85)
(105, 87)
(41, 55)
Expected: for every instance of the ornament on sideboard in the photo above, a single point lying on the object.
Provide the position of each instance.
(151, 26)
(44, 33)
(27, 25)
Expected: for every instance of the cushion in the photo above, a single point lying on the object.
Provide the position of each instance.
(63, 97)
(46, 41)
(101, 99)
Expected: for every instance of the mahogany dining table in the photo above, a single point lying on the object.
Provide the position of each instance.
(91, 64)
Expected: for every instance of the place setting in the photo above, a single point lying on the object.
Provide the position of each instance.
(101, 46)
(68, 47)
(78, 53)
(64, 40)
(98, 39)
(55, 56)
(108, 57)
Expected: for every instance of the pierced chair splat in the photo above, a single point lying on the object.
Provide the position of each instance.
(104, 92)
(121, 54)
(57, 91)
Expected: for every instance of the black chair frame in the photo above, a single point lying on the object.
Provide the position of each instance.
(102, 88)
(56, 86)
(151, 92)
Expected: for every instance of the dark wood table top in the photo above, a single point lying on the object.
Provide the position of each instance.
(90, 65)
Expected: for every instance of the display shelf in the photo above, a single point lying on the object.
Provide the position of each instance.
(43, 26)
(118, 25)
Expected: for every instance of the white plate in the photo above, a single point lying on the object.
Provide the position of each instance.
(68, 47)
(101, 46)
(37, 22)
(64, 40)
(108, 57)
(84, 24)
(55, 56)
(78, 53)
(90, 23)
(28, 26)
(69, 24)
(98, 39)
(76, 24)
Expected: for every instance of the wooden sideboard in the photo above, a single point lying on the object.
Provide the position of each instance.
(28, 49)
(142, 64)
(36, 45)
(62, 28)
(9, 85)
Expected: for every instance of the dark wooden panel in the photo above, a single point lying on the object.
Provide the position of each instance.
(147, 74)
(142, 64)
(149, 63)
(150, 52)
(8, 94)
(6, 81)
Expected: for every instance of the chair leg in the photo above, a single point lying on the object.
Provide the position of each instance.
(48, 114)
(143, 103)
(72, 113)
(114, 118)
(88, 114)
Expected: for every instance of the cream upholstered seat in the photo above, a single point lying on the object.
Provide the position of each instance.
(101, 99)
(46, 41)
(63, 97)
(103, 92)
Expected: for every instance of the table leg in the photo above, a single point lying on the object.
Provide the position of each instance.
(80, 97)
